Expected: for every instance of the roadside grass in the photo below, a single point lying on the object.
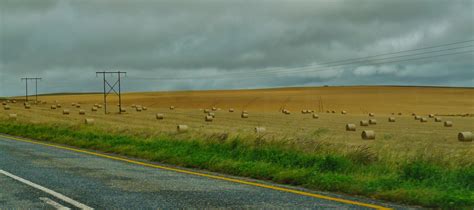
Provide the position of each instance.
(417, 181)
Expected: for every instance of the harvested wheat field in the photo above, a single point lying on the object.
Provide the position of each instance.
(265, 110)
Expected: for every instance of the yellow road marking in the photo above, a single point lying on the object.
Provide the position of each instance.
(340, 200)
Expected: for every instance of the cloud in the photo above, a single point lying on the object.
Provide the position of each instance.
(67, 41)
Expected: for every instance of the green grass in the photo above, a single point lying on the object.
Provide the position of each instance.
(419, 181)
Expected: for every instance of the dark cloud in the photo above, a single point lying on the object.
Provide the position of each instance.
(65, 42)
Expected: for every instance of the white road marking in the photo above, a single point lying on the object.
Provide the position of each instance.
(46, 190)
(54, 204)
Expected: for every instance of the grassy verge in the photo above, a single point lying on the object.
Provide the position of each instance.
(418, 181)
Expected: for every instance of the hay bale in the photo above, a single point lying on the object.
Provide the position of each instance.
(94, 109)
(99, 106)
(287, 112)
(134, 106)
(182, 128)
(12, 116)
(423, 120)
(368, 134)
(350, 127)
(206, 111)
(89, 121)
(212, 114)
(66, 112)
(413, 114)
(14, 101)
(231, 110)
(27, 106)
(208, 118)
(172, 107)
(214, 109)
(431, 115)
(4, 103)
(244, 115)
(123, 110)
(78, 106)
(400, 113)
(73, 104)
(82, 112)
(373, 121)
(343, 112)
(138, 109)
(160, 116)
(244, 111)
(465, 136)
(448, 124)
(53, 107)
(58, 105)
(371, 114)
(315, 116)
(6, 107)
(391, 119)
(304, 111)
(333, 111)
(260, 129)
(145, 108)
(417, 117)
(438, 119)
(364, 123)
(44, 102)
(328, 111)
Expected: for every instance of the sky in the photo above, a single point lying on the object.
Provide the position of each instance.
(235, 44)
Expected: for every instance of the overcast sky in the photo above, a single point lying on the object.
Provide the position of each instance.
(231, 44)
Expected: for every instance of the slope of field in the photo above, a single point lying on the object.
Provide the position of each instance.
(360, 99)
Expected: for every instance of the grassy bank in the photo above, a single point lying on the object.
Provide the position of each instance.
(418, 181)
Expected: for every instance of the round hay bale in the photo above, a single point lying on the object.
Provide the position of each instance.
(304, 111)
(417, 117)
(465, 136)
(82, 112)
(99, 106)
(12, 116)
(423, 120)
(182, 128)
(73, 104)
(413, 114)
(66, 112)
(78, 106)
(94, 109)
(214, 109)
(172, 107)
(364, 123)
(6, 107)
(350, 127)
(391, 119)
(206, 111)
(89, 121)
(400, 113)
(431, 115)
(368, 134)
(160, 116)
(343, 112)
(328, 111)
(448, 124)
(438, 119)
(333, 111)
(4, 103)
(58, 105)
(371, 114)
(123, 110)
(14, 101)
(244, 111)
(27, 106)
(208, 118)
(244, 115)
(373, 121)
(138, 109)
(260, 129)
(53, 106)
(145, 108)
(287, 112)
(315, 116)
(134, 106)
(212, 114)
(393, 113)
(231, 110)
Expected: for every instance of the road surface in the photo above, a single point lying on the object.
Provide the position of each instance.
(34, 176)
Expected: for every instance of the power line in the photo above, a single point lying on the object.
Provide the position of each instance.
(26, 79)
(111, 88)
(320, 68)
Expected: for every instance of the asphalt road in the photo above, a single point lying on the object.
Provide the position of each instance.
(30, 174)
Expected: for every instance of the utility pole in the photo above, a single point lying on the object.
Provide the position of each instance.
(26, 79)
(111, 88)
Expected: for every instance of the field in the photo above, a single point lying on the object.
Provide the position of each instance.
(396, 143)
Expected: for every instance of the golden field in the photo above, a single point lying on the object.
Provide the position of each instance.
(405, 137)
